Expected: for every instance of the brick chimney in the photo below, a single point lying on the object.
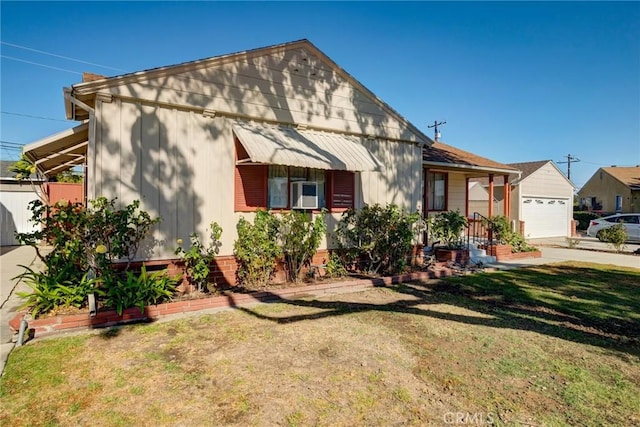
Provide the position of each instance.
(90, 77)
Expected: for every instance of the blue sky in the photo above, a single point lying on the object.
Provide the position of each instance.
(515, 81)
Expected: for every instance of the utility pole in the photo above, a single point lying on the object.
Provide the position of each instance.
(436, 132)
(570, 159)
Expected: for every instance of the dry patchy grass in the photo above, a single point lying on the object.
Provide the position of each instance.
(409, 355)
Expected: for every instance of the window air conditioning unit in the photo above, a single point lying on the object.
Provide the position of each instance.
(304, 195)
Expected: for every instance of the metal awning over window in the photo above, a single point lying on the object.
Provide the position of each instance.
(59, 152)
(280, 145)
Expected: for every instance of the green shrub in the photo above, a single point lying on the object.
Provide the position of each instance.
(138, 290)
(300, 239)
(84, 244)
(335, 266)
(500, 230)
(50, 292)
(257, 249)
(197, 259)
(380, 237)
(447, 228)
(499, 227)
(615, 235)
(584, 218)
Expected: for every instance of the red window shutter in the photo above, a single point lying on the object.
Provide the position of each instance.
(341, 189)
(250, 188)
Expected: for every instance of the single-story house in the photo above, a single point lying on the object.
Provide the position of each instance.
(542, 198)
(614, 189)
(216, 139)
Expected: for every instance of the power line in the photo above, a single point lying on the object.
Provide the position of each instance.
(41, 65)
(10, 144)
(60, 56)
(34, 117)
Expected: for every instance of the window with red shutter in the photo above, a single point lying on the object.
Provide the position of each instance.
(250, 188)
(341, 185)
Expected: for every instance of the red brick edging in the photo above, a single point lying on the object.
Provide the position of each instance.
(52, 325)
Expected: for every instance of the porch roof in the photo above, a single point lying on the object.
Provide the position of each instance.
(446, 157)
(59, 152)
(280, 145)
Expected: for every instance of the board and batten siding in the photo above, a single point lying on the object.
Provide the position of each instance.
(181, 166)
(281, 87)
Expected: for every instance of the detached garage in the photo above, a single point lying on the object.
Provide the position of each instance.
(14, 201)
(543, 200)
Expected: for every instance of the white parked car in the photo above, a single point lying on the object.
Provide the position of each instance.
(631, 223)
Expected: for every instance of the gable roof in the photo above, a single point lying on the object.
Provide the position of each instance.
(86, 90)
(629, 176)
(528, 168)
(449, 157)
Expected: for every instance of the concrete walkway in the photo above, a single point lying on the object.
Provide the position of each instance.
(553, 250)
(10, 260)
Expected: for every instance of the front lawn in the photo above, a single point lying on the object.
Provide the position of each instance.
(546, 345)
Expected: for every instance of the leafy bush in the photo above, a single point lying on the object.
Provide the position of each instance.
(197, 259)
(447, 228)
(75, 234)
(380, 237)
(50, 292)
(335, 266)
(615, 235)
(584, 218)
(500, 230)
(138, 290)
(257, 249)
(300, 239)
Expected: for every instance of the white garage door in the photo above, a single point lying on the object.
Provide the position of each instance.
(14, 215)
(545, 217)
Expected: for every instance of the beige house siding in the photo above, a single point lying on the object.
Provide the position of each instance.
(293, 86)
(456, 192)
(547, 182)
(516, 200)
(605, 188)
(181, 166)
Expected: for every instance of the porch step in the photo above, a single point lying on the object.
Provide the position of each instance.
(477, 255)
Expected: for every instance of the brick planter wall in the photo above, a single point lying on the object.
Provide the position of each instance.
(503, 253)
(52, 325)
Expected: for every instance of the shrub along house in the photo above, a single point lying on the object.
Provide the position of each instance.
(281, 127)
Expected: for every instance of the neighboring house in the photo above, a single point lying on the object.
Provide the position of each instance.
(14, 201)
(542, 198)
(612, 189)
(219, 138)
